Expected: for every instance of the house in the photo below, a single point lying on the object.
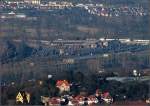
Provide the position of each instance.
(45, 100)
(54, 101)
(34, 2)
(106, 97)
(73, 102)
(92, 100)
(148, 101)
(69, 100)
(63, 85)
(80, 99)
(19, 98)
(23, 97)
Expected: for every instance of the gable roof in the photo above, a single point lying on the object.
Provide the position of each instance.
(60, 82)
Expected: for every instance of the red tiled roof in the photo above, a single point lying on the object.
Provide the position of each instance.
(60, 82)
(75, 102)
(54, 101)
(92, 97)
(79, 97)
(105, 94)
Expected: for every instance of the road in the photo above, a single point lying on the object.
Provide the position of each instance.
(126, 79)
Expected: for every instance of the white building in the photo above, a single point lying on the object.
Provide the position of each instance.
(34, 2)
